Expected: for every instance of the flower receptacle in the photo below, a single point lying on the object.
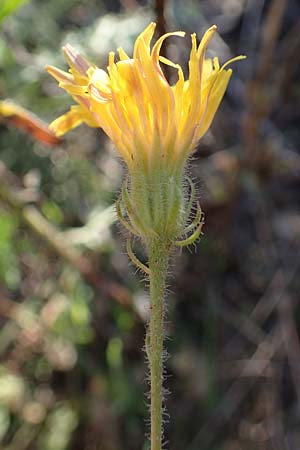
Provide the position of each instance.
(155, 202)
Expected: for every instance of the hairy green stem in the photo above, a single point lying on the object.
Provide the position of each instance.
(158, 265)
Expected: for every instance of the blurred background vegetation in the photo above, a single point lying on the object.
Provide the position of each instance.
(72, 308)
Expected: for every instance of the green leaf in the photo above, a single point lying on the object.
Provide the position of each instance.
(7, 7)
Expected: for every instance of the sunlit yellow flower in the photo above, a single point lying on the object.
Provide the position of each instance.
(155, 126)
(134, 103)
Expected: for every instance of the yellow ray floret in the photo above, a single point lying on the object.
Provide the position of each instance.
(135, 105)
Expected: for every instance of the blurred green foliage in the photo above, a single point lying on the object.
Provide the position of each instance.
(7, 7)
(62, 373)
(73, 374)
(9, 263)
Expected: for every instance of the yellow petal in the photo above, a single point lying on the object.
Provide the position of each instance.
(72, 119)
(144, 40)
(76, 61)
(205, 40)
(74, 89)
(236, 58)
(122, 54)
(100, 85)
(213, 101)
(59, 75)
(157, 47)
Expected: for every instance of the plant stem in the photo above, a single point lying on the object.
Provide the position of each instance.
(158, 265)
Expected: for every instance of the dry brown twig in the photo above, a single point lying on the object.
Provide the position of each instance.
(58, 242)
(260, 97)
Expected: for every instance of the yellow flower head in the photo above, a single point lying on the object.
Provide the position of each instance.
(155, 126)
(134, 103)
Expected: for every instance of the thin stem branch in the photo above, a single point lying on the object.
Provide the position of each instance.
(158, 265)
(58, 241)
